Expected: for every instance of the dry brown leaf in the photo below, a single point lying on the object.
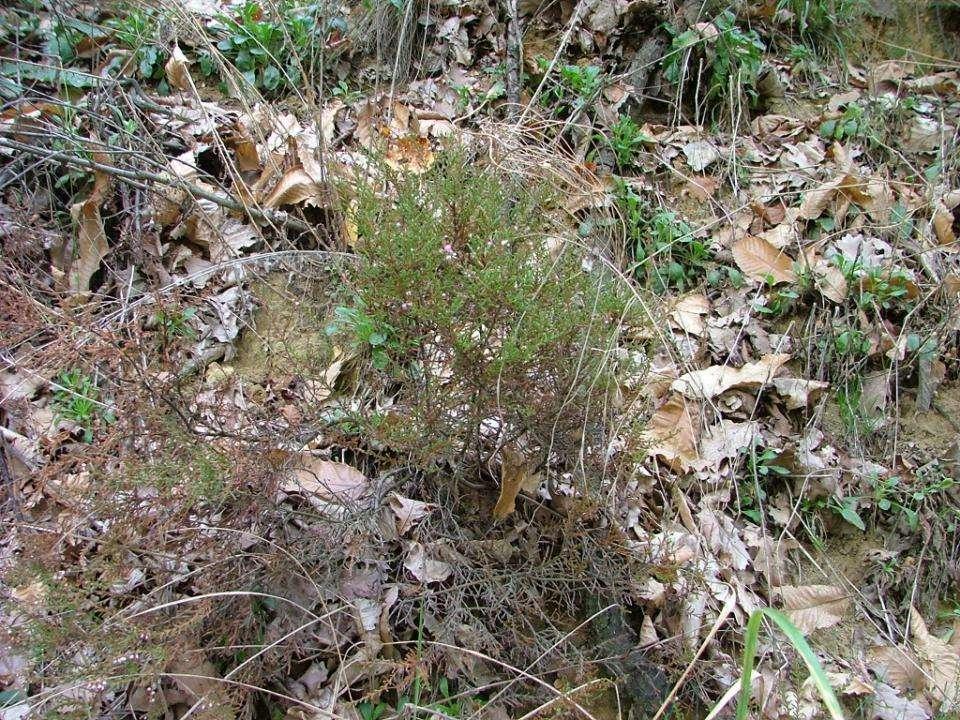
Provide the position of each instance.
(325, 480)
(516, 474)
(889, 705)
(813, 607)
(943, 227)
(244, 147)
(80, 260)
(708, 383)
(759, 260)
(816, 201)
(896, 666)
(296, 187)
(939, 661)
(723, 539)
(423, 567)
(797, 391)
(688, 312)
(408, 511)
(177, 70)
(648, 633)
(91, 246)
(725, 441)
(411, 154)
(672, 433)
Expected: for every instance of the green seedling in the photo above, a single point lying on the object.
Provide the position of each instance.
(822, 24)
(176, 324)
(667, 254)
(732, 63)
(269, 51)
(76, 398)
(137, 30)
(625, 139)
(366, 334)
(572, 86)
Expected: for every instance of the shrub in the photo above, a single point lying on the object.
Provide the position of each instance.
(480, 325)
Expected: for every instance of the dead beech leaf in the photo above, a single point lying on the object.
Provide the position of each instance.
(177, 70)
(408, 511)
(423, 567)
(411, 154)
(244, 147)
(325, 480)
(940, 663)
(896, 666)
(296, 187)
(688, 313)
(516, 474)
(725, 441)
(708, 383)
(943, 227)
(888, 704)
(672, 433)
(723, 539)
(813, 607)
(80, 260)
(816, 201)
(797, 391)
(91, 246)
(759, 260)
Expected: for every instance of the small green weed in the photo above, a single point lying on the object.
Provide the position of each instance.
(625, 139)
(76, 398)
(854, 417)
(731, 60)
(851, 343)
(137, 30)
(572, 87)
(875, 286)
(176, 324)
(853, 124)
(365, 333)
(667, 254)
(269, 52)
(822, 24)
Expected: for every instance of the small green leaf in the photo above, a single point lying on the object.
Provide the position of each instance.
(847, 510)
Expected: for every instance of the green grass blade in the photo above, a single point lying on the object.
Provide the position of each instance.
(800, 644)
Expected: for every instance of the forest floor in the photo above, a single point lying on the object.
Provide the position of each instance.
(475, 360)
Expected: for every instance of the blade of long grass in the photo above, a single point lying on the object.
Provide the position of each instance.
(796, 639)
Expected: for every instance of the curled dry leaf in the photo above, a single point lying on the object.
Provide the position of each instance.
(408, 511)
(78, 262)
(688, 313)
(708, 383)
(299, 187)
(813, 607)
(516, 474)
(325, 480)
(672, 433)
(759, 260)
(888, 704)
(723, 539)
(177, 70)
(797, 391)
(896, 666)
(940, 663)
(411, 154)
(424, 568)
